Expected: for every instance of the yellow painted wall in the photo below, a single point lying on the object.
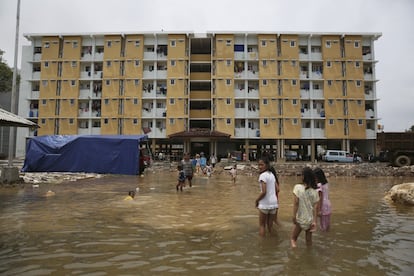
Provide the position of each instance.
(131, 109)
(268, 69)
(335, 131)
(110, 109)
(354, 72)
(52, 52)
(224, 68)
(334, 52)
(177, 126)
(68, 109)
(67, 128)
(267, 46)
(134, 47)
(47, 128)
(222, 126)
(224, 90)
(178, 51)
(48, 91)
(111, 90)
(177, 109)
(270, 110)
(287, 51)
(334, 90)
(111, 68)
(50, 71)
(333, 72)
(335, 109)
(223, 109)
(268, 131)
(290, 109)
(354, 91)
(111, 128)
(133, 70)
(291, 130)
(68, 91)
(356, 108)
(289, 69)
(178, 89)
(224, 46)
(269, 90)
(133, 90)
(177, 70)
(48, 109)
(130, 128)
(357, 131)
(352, 52)
(113, 51)
(290, 90)
(70, 69)
(72, 47)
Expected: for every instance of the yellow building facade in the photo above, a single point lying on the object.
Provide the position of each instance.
(251, 92)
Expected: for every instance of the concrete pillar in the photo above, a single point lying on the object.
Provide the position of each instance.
(9, 175)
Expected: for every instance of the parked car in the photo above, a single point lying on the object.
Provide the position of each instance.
(291, 155)
(340, 156)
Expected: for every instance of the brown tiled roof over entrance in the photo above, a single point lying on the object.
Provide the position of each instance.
(199, 132)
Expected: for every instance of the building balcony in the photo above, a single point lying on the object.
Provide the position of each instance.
(36, 75)
(367, 57)
(311, 94)
(85, 75)
(312, 113)
(37, 57)
(244, 132)
(84, 93)
(317, 75)
(368, 77)
(35, 94)
(99, 56)
(239, 56)
(369, 95)
(369, 114)
(86, 57)
(313, 133)
(316, 56)
(150, 55)
(157, 132)
(303, 56)
(148, 94)
(371, 134)
(252, 56)
(33, 113)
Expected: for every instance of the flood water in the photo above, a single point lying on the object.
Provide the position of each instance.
(209, 229)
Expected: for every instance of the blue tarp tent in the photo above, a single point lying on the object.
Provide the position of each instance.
(106, 154)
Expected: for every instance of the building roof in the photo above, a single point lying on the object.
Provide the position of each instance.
(199, 132)
(10, 119)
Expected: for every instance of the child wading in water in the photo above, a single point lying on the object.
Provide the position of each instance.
(181, 178)
(267, 200)
(324, 206)
(305, 203)
(233, 173)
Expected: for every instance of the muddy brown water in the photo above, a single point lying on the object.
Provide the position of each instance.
(209, 229)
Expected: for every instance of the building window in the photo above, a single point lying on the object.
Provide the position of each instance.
(360, 122)
(264, 44)
(106, 101)
(172, 121)
(71, 121)
(46, 64)
(75, 44)
(74, 64)
(228, 82)
(135, 121)
(228, 121)
(172, 81)
(265, 121)
(228, 42)
(330, 102)
(329, 82)
(172, 62)
(328, 44)
(294, 102)
(73, 83)
(109, 43)
(359, 102)
(328, 64)
(358, 83)
(228, 101)
(135, 101)
(44, 102)
(292, 43)
(264, 63)
(105, 121)
(294, 121)
(136, 82)
(264, 82)
(108, 82)
(293, 82)
(228, 62)
(172, 101)
(173, 43)
(331, 122)
(137, 43)
(265, 101)
(47, 44)
(293, 63)
(137, 63)
(43, 121)
(44, 82)
(356, 44)
(357, 64)
(108, 63)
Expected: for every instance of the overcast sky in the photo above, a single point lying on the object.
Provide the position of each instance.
(393, 18)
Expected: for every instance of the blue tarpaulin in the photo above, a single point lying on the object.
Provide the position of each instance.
(106, 154)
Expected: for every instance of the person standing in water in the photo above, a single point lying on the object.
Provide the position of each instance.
(188, 168)
(266, 202)
(305, 203)
(324, 206)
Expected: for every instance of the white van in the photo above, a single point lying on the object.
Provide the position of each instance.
(339, 156)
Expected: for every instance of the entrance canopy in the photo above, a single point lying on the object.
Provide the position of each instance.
(10, 119)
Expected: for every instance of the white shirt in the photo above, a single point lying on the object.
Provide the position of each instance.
(269, 201)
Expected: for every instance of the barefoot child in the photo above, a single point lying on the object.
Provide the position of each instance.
(324, 206)
(233, 173)
(181, 178)
(305, 203)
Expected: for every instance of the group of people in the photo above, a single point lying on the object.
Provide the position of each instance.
(311, 197)
(311, 200)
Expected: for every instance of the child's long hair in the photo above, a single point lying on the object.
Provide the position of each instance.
(269, 167)
(320, 176)
(309, 178)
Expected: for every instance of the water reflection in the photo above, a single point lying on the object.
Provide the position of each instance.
(211, 228)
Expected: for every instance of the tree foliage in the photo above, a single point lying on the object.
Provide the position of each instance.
(6, 75)
(411, 129)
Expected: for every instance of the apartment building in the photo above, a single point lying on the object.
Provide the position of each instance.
(216, 92)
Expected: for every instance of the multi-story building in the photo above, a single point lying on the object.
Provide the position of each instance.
(215, 93)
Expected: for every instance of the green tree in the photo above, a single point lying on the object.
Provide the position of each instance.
(6, 75)
(411, 129)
